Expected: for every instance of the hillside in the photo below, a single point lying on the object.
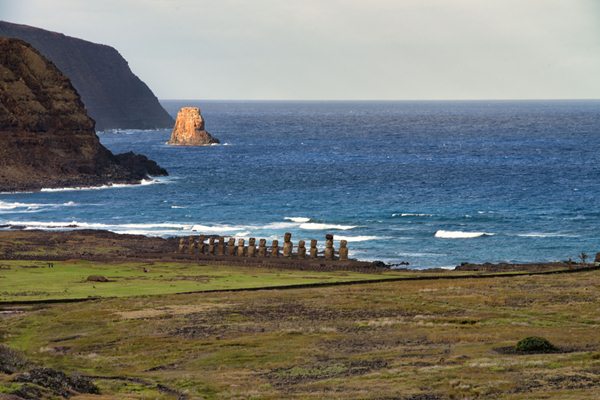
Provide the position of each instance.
(46, 137)
(112, 94)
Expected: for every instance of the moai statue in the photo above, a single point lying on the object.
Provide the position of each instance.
(275, 248)
(211, 246)
(288, 246)
(251, 247)
(201, 245)
(181, 248)
(240, 249)
(343, 250)
(314, 253)
(262, 248)
(329, 250)
(192, 245)
(301, 249)
(221, 246)
(231, 247)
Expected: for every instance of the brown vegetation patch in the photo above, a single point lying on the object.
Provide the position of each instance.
(183, 309)
(322, 370)
(364, 343)
(568, 381)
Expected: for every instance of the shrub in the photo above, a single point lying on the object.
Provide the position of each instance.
(11, 361)
(535, 344)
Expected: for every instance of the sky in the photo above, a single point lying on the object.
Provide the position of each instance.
(341, 49)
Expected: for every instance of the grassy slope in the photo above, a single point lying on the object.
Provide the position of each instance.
(393, 340)
(33, 280)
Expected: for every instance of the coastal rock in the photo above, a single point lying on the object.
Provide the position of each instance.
(189, 129)
(113, 96)
(46, 137)
(139, 164)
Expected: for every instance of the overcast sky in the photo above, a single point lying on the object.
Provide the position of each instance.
(341, 49)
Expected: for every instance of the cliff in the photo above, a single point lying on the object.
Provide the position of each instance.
(189, 129)
(112, 94)
(46, 137)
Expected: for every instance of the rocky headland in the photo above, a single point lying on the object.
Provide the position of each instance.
(189, 129)
(46, 137)
(113, 96)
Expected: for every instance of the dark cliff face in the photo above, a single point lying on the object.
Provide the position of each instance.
(46, 137)
(112, 94)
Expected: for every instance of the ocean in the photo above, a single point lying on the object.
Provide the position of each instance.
(432, 183)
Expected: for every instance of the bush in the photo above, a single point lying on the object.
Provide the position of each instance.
(535, 344)
(11, 361)
(58, 382)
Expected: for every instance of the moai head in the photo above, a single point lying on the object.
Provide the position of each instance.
(262, 242)
(211, 240)
(275, 243)
(313, 243)
(301, 243)
(343, 243)
(241, 242)
(287, 237)
(252, 242)
(221, 241)
(201, 239)
(231, 242)
(191, 239)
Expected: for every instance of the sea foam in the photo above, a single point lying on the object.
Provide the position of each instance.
(143, 182)
(17, 207)
(545, 235)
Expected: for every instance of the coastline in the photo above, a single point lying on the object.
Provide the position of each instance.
(108, 246)
(70, 187)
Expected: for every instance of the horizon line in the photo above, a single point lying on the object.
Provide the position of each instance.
(384, 100)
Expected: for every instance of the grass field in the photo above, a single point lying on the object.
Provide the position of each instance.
(425, 340)
(34, 280)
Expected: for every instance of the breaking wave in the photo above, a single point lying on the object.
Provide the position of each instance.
(218, 228)
(460, 234)
(322, 227)
(411, 215)
(297, 219)
(359, 238)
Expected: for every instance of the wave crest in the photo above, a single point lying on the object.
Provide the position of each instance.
(359, 238)
(442, 234)
(297, 219)
(315, 226)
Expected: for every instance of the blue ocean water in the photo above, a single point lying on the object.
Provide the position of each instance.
(431, 183)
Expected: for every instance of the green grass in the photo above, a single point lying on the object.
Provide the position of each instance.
(34, 280)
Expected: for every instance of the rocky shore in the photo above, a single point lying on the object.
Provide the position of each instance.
(100, 245)
(47, 139)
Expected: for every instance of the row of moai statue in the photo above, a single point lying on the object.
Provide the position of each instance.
(195, 245)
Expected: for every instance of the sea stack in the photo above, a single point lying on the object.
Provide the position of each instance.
(189, 129)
